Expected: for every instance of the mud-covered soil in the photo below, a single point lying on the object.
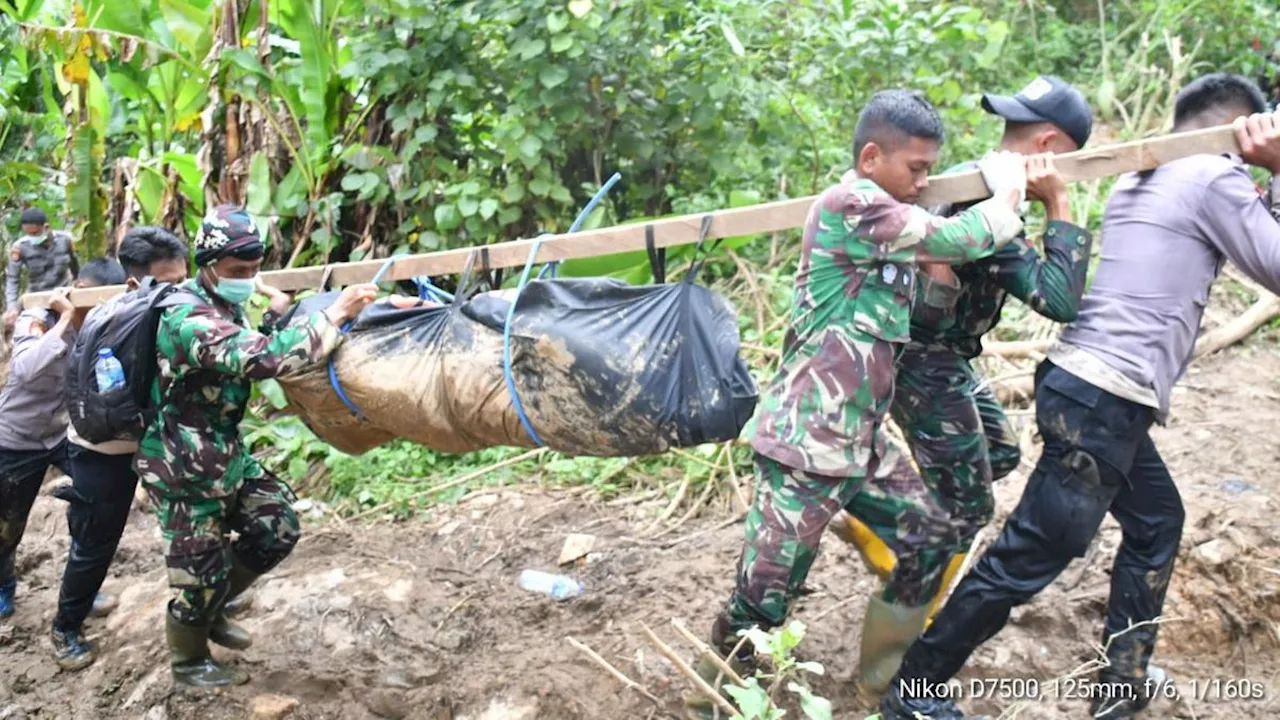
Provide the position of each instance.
(426, 619)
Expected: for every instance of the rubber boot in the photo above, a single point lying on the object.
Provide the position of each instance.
(879, 558)
(1129, 682)
(948, 577)
(887, 632)
(192, 664)
(72, 651)
(103, 604)
(7, 592)
(223, 631)
(697, 705)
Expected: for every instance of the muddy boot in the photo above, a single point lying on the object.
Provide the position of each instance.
(887, 632)
(192, 664)
(879, 558)
(72, 651)
(948, 577)
(1129, 683)
(103, 604)
(697, 705)
(224, 632)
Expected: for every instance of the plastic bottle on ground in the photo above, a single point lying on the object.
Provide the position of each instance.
(558, 587)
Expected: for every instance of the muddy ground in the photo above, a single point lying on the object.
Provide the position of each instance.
(426, 619)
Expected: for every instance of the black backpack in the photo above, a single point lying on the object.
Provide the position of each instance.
(129, 329)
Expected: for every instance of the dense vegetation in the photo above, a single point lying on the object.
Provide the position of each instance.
(362, 129)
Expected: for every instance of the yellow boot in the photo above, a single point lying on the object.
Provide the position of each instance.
(878, 557)
(948, 577)
(887, 631)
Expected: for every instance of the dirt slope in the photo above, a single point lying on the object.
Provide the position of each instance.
(426, 619)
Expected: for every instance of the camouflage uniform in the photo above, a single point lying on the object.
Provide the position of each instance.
(201, 479)
(955, 427)
(50, 264)
(819, 439)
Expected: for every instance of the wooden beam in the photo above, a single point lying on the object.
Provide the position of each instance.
(765, 218)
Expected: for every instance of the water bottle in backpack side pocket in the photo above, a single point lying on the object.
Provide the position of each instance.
(558, 587)
(109, 371)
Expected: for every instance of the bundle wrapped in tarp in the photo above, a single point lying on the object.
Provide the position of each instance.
(596, 366)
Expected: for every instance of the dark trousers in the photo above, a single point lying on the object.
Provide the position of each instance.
(1098, 458)
(21, 474)
(99, 500)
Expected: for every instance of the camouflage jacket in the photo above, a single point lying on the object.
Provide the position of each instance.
(850, 312)
(208, 359)
(955, 319)
(50, 264)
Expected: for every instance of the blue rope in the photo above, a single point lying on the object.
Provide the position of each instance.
(511, 311)
(333, 374)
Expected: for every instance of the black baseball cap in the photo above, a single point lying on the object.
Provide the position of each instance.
(34, 216)
(1046, 99)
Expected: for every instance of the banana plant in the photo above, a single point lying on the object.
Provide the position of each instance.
(297, 86)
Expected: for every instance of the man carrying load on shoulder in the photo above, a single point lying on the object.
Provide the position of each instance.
(953, 423)
(200, 477)
(103, 481)
(33, 415)
(1166, 234)
(819, 439)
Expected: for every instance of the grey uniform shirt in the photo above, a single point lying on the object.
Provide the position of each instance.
(33, 404)
(1165, 236)
(50, 264)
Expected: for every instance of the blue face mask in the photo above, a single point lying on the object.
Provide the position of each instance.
(236, 290)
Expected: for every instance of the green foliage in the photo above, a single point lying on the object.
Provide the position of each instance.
(755, 701)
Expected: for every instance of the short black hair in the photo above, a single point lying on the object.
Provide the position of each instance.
(1217, 91)
(147, 244)
(102, 271)
(895, 115)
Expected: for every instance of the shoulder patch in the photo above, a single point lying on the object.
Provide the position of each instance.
(15, 253)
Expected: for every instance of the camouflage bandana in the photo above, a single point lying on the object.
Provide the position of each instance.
(227, 230)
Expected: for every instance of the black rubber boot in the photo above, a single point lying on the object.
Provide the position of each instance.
(1129, 682)
(192, 664)
(223, 631)
(72, 651)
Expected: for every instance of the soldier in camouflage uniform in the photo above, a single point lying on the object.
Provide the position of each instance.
(49, 258)
(819, 439)
(957, 430)
(192, 461)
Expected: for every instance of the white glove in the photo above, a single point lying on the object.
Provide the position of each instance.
(1003, 171)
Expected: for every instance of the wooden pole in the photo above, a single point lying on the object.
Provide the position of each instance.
(755, 219)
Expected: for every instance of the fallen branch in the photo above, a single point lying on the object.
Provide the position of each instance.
(1016, 349)
(615, 672)
(1021, 389)
(689, 673)
(1267, 307)
(708, 653)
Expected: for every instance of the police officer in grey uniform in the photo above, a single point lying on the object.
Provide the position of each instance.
(49, 258)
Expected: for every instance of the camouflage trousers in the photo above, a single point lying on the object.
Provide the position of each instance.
(958, 434)
(199, 550)
(791, 511)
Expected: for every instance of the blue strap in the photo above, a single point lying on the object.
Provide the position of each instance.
(333, 374)
(511, 311)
